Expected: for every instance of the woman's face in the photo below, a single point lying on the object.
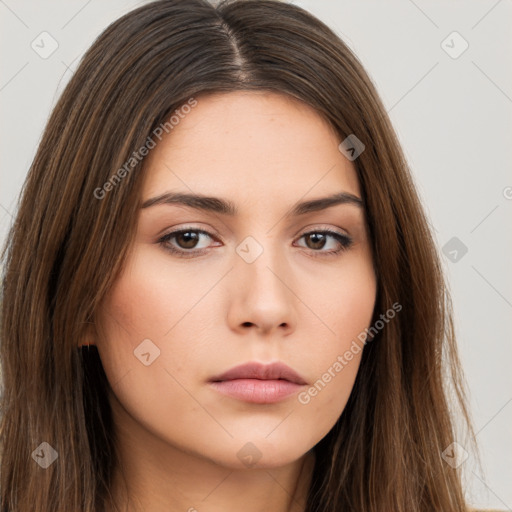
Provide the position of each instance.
(262, 284)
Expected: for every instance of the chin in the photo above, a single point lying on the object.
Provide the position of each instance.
(260, 453)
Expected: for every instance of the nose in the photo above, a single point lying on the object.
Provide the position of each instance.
(262, 296)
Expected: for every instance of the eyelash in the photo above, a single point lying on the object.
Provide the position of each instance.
(344, 241)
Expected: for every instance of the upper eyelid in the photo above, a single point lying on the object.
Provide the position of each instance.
(299, 233)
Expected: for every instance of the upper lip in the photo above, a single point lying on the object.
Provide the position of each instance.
(254, 370)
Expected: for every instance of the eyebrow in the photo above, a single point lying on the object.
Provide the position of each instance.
(226, 207)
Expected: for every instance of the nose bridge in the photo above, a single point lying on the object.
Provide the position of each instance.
(261, 260)
(263, 287)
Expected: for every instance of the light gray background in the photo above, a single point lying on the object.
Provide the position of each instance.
(452, 115)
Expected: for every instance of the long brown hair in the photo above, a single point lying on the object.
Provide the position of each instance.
(72, 233)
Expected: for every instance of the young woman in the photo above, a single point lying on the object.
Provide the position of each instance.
(221, 291)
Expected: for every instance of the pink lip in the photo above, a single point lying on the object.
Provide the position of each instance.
(258, 383)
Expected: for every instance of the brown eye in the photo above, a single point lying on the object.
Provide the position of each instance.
(184, 242)
(317, 240)
(187, 239)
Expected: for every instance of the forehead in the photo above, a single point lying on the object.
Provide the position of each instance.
(250, 146)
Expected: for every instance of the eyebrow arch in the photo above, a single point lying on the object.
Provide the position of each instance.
(226, 207)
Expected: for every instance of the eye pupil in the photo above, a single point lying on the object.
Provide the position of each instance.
(190, 239)
(316, 238)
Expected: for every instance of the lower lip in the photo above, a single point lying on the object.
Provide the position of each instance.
(257, 391)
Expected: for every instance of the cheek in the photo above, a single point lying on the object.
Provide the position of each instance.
(152, 315)
(153, 299)
(348, 300)
(135, 310)
(321, 404)
(346, 306)
(150, 297)
(142, 347)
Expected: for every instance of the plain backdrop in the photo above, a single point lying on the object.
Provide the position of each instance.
(444, 72)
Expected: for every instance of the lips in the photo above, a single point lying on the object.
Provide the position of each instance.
(274, 371)
(258, 383)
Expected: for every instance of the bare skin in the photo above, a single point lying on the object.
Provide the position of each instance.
(183, 445)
